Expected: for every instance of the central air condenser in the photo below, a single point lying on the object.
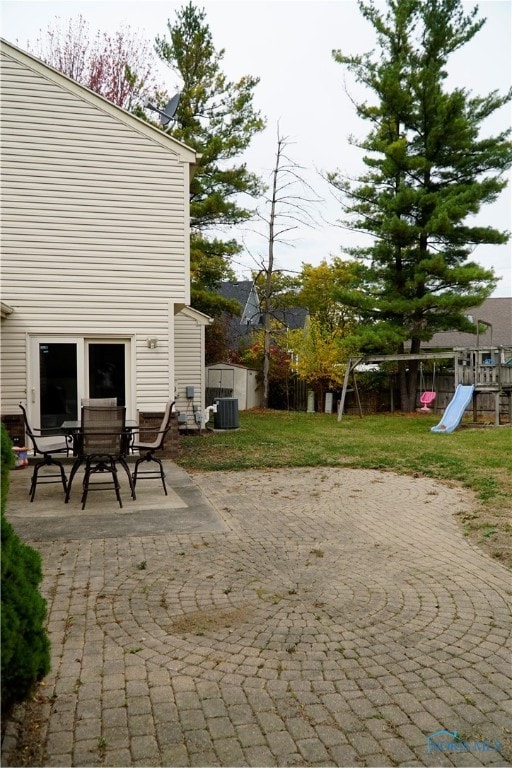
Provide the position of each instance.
(227, 413)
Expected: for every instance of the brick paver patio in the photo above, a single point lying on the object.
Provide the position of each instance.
(318, 617)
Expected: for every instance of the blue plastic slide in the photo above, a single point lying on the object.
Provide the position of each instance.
(455, 409)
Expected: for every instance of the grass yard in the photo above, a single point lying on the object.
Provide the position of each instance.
(478, 458)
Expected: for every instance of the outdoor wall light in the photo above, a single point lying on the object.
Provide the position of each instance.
(151, 342)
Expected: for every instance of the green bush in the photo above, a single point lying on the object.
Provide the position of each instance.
(25, 643)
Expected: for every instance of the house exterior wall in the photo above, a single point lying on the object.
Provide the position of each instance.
(95, 229)
(189, 348)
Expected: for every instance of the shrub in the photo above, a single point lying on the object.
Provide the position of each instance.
(25, 643)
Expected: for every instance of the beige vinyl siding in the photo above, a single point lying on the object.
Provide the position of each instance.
(14, 367)
(189, 332)
(87, 201)
(95, 226)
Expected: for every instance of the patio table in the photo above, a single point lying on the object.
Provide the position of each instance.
(73, 427)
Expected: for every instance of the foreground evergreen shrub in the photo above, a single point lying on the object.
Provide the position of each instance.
(25, 644)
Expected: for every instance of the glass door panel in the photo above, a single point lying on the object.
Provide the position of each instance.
(107, 370)
(63, 370)
(58, 383)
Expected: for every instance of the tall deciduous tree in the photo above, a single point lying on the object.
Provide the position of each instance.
(317, 291)
(119, 67)
(285, 208)
(216, 117)
(429, 170)
(279, 362)
(320, 355)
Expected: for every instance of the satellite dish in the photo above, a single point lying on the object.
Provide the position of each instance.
(168, 112)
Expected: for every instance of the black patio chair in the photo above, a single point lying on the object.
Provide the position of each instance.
(60, 445)
(148, 450)
(101, 444)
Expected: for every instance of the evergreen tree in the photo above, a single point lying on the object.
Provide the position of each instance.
(215, 117)
(25, 646)
(429, 171)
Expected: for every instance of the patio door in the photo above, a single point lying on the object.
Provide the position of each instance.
(106, 370)
(55, 384)
(64, 370)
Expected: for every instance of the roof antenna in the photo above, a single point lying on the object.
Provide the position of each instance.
(167, 113)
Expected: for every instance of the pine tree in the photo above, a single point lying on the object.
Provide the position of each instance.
(429, 170)
(215, 117)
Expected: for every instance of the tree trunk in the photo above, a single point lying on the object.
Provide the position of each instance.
(408, 378)
(320, 390)
(266, 360)
(268, 278)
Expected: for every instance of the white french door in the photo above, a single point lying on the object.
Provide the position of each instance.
(63, 370)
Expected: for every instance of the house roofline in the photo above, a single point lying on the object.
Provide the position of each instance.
(196, 315)
(187, 154)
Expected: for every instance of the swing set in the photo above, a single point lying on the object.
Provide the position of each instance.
(428, 395)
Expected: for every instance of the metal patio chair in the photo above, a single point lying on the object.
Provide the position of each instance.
(101, 445)
(147, 451)
(59, 445)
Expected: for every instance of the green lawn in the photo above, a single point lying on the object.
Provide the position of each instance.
(479, 458)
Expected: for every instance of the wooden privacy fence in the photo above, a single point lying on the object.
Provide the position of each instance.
(213, 393)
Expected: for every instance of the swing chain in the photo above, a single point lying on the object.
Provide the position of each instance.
(422, 378)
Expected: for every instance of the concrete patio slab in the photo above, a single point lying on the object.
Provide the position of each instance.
(47, 518)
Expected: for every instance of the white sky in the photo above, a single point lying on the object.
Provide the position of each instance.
(288, 44)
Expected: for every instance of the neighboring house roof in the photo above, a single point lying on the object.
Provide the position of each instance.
(238, 328)
(495, 311)
(245, 292)
(186, 153)
(239, 290)
(292, 317)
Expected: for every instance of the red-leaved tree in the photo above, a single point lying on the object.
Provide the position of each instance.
(121, 67)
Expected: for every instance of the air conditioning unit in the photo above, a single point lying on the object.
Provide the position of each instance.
(227, 413)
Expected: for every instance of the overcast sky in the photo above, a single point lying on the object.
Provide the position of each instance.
(288, 44)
